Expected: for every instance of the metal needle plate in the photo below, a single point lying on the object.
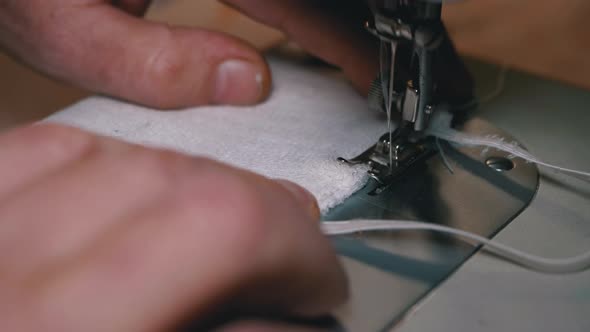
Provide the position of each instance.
(486, 190)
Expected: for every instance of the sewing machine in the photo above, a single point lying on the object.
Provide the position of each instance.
(411, 34)
(414, 176)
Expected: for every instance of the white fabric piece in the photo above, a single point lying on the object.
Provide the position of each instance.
(311, 119)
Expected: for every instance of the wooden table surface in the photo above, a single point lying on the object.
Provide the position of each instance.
(545, 37)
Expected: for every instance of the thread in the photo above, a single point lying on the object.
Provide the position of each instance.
(443, 156)
(387, 53)
(498, 90)
(536, 263)
(440, 127)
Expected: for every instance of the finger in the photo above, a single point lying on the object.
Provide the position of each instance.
(32, 152)
(148, 63)
(79, 202)
(225, 239)
(330, 29)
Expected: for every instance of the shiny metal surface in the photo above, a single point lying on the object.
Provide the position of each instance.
(486, 294)
(392, 156)
(476, 197)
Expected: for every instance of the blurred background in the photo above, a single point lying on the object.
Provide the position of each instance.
(548, 38)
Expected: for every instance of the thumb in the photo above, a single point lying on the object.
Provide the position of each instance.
(106, 50)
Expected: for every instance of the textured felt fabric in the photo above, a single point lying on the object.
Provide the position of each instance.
(312, 118)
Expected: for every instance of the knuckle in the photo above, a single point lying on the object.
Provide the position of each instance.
(249, 215)
(164, 68)
(160, 168)
(57, 141)
(248, 205)
(235, 203)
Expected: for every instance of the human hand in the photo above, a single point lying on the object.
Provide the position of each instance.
(99, 235)
(105, 47)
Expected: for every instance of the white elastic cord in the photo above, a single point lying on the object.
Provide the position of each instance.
(536, 263)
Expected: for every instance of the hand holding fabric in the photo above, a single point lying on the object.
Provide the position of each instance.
(106, 47)
(99, 235)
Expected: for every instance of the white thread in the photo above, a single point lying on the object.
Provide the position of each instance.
(443, 156)
(498, 143)
(500, 85)
(498, 90)
(533, 262)
(441, 128)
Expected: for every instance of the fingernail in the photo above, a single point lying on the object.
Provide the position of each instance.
(238, 82)
(304, 197)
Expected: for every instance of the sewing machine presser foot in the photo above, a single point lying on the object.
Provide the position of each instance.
(392, 155)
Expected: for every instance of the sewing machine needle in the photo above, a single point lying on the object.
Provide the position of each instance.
(384, 72)
(387, 72)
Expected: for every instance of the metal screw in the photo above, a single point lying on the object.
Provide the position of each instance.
(500, 164)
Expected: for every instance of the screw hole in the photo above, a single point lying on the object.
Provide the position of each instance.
(500, 164)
